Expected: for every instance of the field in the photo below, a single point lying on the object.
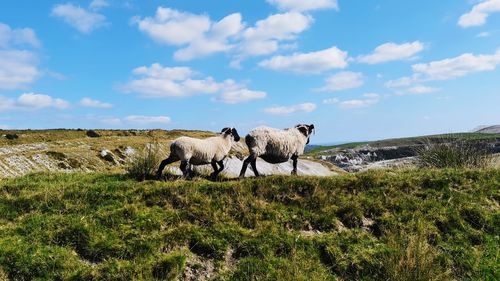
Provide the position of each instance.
(378, 225)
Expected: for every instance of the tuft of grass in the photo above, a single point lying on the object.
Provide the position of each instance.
(144, 163)
(450, 152)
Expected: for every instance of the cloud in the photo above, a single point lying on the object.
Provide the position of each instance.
(88, 102)
(266, 36)
(391, 52)
(17, 37)
(32, 101)
(287, 110)
(313, 62)
(421, 89)
(342, 81)
(98, 4)
(302, 6)
(146, 120)
(83, 20)
(18, 67)
(157, 81)
(479, 13)
(457, 67)
(448, 69)
(368, 100)
(241, 95)
(197, 34)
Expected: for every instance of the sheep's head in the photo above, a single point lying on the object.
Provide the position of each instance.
(232, 132)
(306, 130)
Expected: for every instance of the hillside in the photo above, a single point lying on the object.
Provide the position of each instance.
(383, 225)
(395, 153)
(489, 129)
(28, 151)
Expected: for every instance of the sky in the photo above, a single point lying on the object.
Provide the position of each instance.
(356, 69)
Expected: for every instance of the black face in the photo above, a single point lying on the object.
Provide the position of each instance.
(231, 131)
(306, 130)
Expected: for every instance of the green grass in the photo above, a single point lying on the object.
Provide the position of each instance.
(408, 141)
(427, 225)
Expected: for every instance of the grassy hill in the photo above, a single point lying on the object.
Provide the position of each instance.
(378, 225)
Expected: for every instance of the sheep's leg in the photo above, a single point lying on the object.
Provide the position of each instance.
(221, 166)
(215, 173)
(245, 165)
(184, 169)
(295, 160)
(171, 159)
(254, 167)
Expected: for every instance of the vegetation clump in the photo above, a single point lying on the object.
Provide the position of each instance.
(11, 136)
(144, 163)
(92, 134)
(427, 225)
(450, 152)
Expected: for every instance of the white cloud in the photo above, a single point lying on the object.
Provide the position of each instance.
(342, 81)
(287, 110)
(18, 36)
(32, 101)
(157, 81)
(483, 34)
(267, 34)
(145, 120)
(88, 102)
(197, 34)
(36, 101)
(241, 95)
(98, 4)
(421, 89)
(368, 100)
(479, 13)
(18, 69)
(457, 67)
(80, 18)
(304, 5)
(448, 69)
(391, 52)
(313, 62)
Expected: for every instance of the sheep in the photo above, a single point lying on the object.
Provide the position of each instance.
(276, 146)
(194, 151)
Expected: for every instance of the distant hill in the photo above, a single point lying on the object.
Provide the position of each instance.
(495, 129)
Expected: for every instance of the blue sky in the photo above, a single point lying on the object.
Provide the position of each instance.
(357, 69)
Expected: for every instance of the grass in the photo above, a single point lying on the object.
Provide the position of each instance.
(449, 152)
(426, 225)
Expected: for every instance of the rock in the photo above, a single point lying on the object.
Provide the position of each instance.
(108, 156)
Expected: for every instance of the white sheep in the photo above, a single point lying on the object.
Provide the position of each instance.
(194, 151)
(276, 145)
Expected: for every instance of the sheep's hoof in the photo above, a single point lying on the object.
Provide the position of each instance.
(294, 173)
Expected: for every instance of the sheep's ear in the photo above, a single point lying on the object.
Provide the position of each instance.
(311, 128)
(303, 130)
(225, 130)
(235, 135)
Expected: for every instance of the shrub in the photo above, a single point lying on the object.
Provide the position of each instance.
(92, 134)
(11, 136)
(143, 164)
(449, 152)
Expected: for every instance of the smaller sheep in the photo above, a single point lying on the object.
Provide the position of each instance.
(276, 146)
(194, 151)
